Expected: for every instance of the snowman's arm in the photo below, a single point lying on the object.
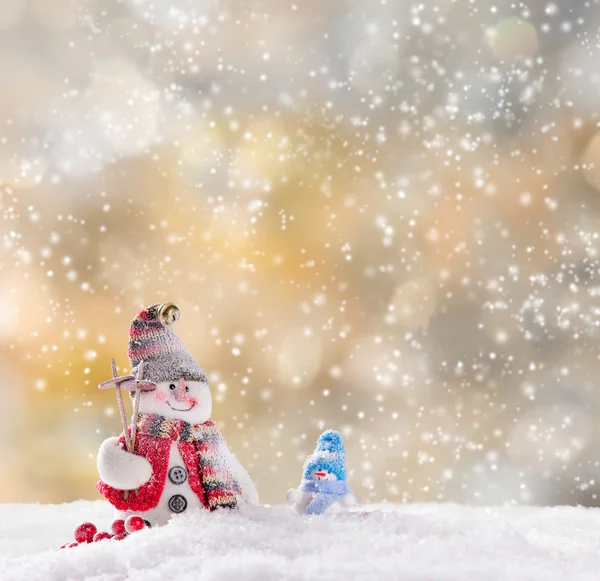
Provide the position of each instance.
(348, 500)
(294, 495)
(299, 499)
(121, 469)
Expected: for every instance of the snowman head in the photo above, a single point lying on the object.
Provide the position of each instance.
(328, 461)
(322, 474)
(182, 399)
(180, 387)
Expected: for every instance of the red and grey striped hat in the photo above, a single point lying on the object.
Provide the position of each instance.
(151, 339)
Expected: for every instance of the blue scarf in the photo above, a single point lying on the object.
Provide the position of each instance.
(327, 492)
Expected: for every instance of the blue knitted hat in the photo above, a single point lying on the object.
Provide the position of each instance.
(329, 455)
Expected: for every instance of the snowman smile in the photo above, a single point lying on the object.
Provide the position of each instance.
(178, 410)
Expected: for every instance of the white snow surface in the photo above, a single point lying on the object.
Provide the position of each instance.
(404, 542)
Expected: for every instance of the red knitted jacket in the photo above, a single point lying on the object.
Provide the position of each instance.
(205, 455)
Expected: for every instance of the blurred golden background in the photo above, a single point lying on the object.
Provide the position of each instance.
(377, 217)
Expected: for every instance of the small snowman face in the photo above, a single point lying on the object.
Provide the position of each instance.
(323, 475)
(189, 401)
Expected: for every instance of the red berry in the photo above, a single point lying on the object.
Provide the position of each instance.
(118, 527)
(85, 532)
(101, 536)
(119, 537)
(134, 523)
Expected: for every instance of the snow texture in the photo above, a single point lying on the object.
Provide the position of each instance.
(408, 543)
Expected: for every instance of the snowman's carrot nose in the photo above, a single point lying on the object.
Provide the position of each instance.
(180, 393)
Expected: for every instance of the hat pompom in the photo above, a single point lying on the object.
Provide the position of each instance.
(330, 441)
(168, 314)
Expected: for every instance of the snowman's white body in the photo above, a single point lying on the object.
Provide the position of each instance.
(126, 471)
(300, 499)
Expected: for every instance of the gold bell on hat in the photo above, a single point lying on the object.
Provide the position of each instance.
(168, 314)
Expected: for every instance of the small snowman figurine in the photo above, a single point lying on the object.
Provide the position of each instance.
(324, 488)
(173, 458)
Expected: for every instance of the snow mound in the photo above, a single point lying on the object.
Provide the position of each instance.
(408, 543)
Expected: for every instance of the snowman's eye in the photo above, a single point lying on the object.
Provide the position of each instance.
(172, 386)
(187, 389)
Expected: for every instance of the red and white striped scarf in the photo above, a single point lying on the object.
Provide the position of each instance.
(203, 451)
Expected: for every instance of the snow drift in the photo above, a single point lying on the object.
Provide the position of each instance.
(408, 543)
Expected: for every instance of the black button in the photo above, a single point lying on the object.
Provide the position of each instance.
(178, 475)
(177, 503)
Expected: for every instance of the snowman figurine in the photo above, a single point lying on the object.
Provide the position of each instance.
(179, 460)
(323, 488)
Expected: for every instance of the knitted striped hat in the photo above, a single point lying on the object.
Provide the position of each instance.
(151, 339)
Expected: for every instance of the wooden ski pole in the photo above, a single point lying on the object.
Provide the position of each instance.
(121, 407)
(136, 402)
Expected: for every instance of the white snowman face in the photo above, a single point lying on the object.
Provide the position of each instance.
(323, 475)
(189, 401)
